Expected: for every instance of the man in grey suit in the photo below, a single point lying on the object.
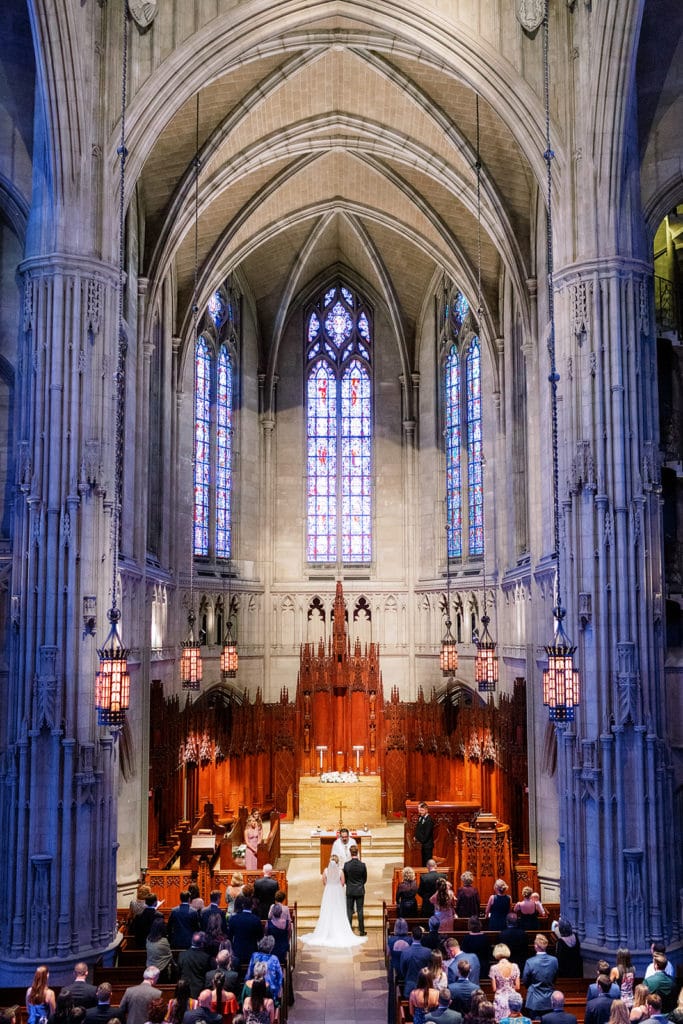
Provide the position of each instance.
(356, 875)
(539, 976)
(136, 999)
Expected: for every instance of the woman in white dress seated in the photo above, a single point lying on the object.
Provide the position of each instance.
(333, 929)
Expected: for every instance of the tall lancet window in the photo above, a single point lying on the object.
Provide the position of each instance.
(338, 329)
(213, 428)
(463, 429)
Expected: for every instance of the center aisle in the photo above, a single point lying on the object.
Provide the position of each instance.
(339, 986)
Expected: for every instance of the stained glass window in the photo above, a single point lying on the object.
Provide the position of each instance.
(339, 429)
(453, 472)
(463, 432)
(202, 446)
(474, 452)
(213, 431)
(224, 454)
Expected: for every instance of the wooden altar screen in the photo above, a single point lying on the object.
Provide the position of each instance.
(487, 853)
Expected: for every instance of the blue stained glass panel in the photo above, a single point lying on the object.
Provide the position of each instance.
(329, 295)
(321, 456)
(347, 295)
(217, 309)
(453, 454)
(459, 311)
(202, 447)
(474, 449)
(338, 324)
(364, 327)
(356, 463)
(224, 455)
(313, 327)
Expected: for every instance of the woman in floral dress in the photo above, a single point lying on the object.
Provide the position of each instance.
(504, 977)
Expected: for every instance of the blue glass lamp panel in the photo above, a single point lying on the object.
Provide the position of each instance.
(217, 309)
(453, 455)
(202, 446)
(474, 449)
(224, 455)
(356, 452)
(321, 418)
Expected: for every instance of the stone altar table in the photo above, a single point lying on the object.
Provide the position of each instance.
(361, 801)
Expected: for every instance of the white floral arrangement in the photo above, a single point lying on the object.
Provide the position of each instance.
(339, 777)
(239, 852)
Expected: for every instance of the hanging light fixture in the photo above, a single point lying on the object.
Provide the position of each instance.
(486, 660)
(191, 654)
(561, 685)
(112, 683)
(229, 656)
(448, 657)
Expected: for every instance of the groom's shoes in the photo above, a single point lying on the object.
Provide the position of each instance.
(362, 933)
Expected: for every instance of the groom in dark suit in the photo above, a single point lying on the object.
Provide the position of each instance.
(356, 875)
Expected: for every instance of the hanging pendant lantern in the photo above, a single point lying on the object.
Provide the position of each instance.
(190, 659)
(560, 679)
(486, 660)
(448, 659)
(112, 683)
(229, 656)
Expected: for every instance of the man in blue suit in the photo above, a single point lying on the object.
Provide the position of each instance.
(558, 1015)
(183, 922)
(462, 988)
(539, 976)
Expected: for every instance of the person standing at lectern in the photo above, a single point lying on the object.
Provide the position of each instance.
(424, 832)
(341, 847)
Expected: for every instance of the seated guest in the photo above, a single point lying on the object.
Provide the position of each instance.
(467, 902)
(528, 909)
(462, 989)
(258, 1007)
(244, 929)
(40, 999)
(137, 998)
(458, 955)
(406, 895)
(432, 939)
(180, 1003)
(639, 1010)
(279, 927)
(557, 1014)
(194, 963)
(476, 942)
(202, 1013)
(223, 1001)
(423, 997)
(183, 921)
(658, 947)
(264, 954)
(515, 1003)
(103, 1011)
(159, 952)
(594, 989)
(539, 976)
(517, 941)
(661, 983)
(82, 992)
(443, 1013)
(63, 1008)
(413, 960)
(598, 1009)
(224, 963)
(264, 891)
(437, 970)
(397, 942)
(567, 949)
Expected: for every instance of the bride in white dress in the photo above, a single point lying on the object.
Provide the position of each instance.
(333, 929)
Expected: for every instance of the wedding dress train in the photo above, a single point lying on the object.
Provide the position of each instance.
(333, 929)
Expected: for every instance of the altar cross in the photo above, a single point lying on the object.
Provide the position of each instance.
(342, 807)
